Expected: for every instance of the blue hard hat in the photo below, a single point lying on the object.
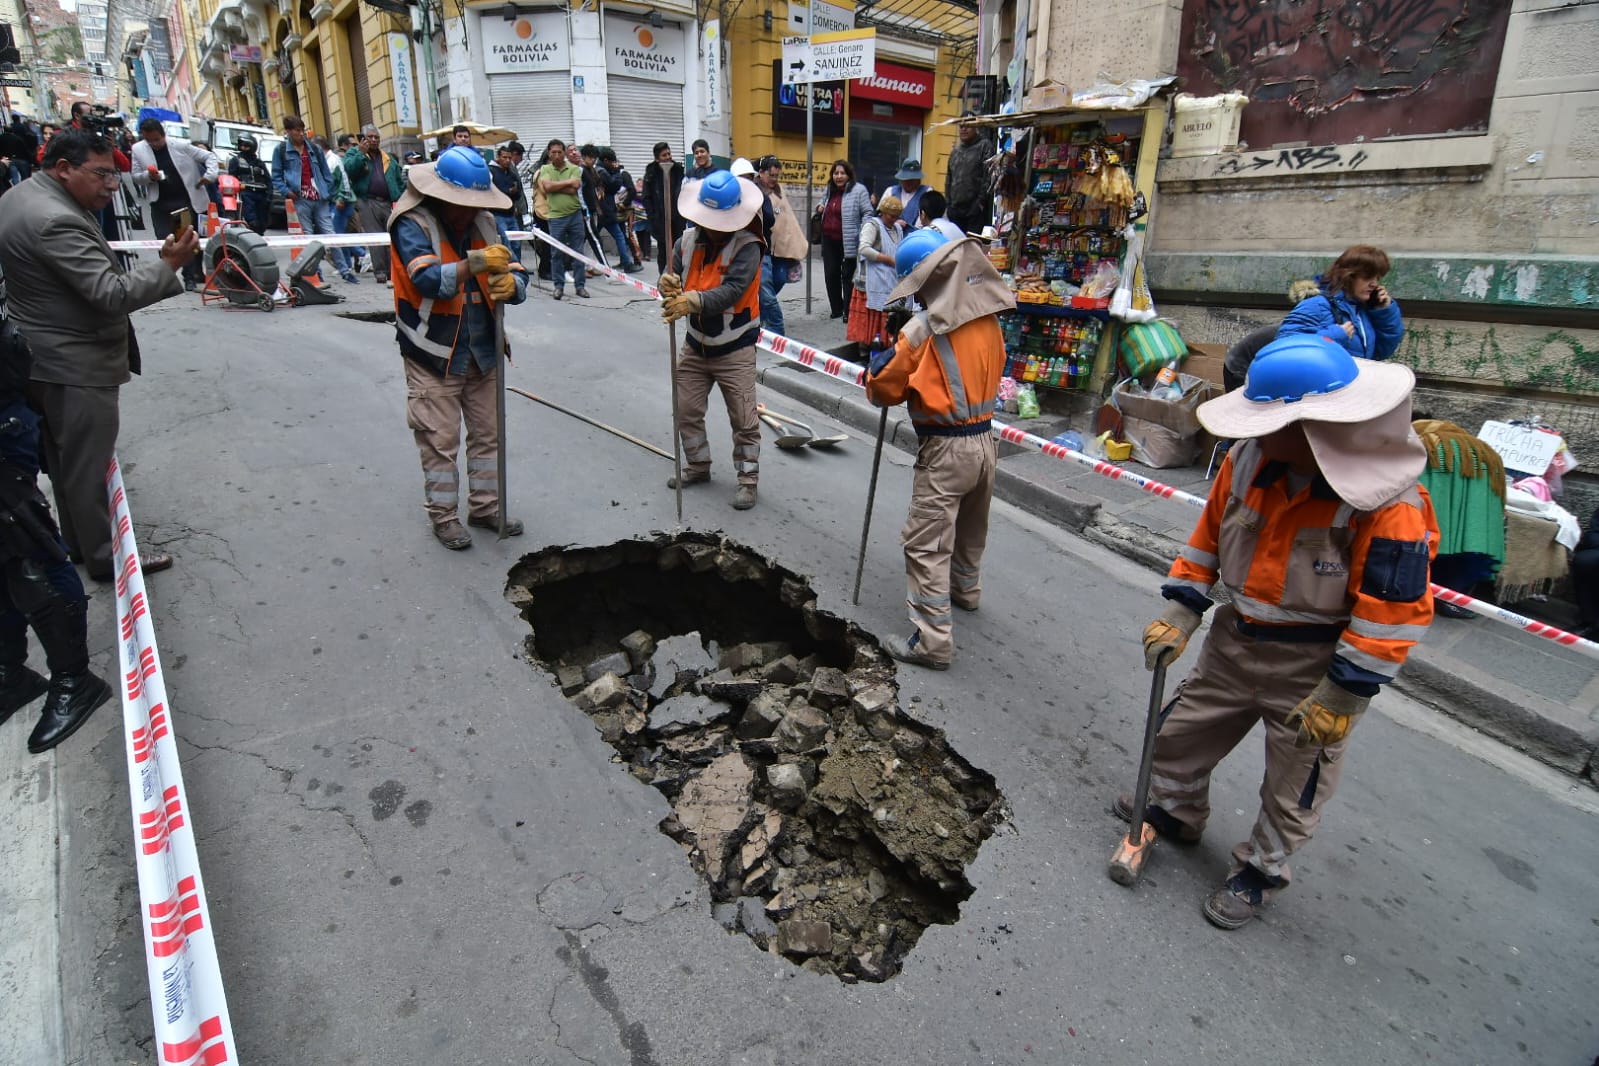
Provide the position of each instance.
(464, 168)
(916, 247)
(720, 191)
(1304, 364)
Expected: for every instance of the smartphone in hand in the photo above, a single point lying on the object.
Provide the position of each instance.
(182, 222)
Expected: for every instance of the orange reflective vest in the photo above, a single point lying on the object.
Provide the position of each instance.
(1308, 559)
(721, 330)
(429, 326)
(949, 381)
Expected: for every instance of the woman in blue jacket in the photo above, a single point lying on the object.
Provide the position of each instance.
(1353, 309)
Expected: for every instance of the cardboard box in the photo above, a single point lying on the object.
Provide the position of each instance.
(1206, 125)
(1047, 96)
(1206, 361)
(1164, 433)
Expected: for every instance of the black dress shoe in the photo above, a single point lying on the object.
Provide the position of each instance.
(71, 700)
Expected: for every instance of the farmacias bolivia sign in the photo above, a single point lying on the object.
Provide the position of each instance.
(639, 50)
(534, 41)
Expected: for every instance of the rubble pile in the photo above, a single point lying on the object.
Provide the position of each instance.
(831, 828)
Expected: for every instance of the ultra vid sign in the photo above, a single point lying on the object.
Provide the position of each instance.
(830, 56)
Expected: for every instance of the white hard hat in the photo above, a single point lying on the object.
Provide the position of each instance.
(742, 168)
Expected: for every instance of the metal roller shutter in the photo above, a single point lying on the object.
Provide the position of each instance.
(358, 72)
(537, 105)
(642, 113)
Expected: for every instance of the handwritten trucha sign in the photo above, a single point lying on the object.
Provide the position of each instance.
(1521, 447)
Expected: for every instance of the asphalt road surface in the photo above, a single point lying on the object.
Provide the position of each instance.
(417, 851)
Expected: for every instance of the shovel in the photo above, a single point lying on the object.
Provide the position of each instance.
(785, 439)
(812, 440)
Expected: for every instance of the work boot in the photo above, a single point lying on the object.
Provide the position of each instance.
(72, 698)
(1233, 904)
(513, 527)
(690, 477)
(453, 535)
(1167, 826)
(74, 692)
(19, 686)
(744, 498)
(910, 651)
(965, 605)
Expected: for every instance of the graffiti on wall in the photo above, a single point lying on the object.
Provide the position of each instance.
(1512, 357)
(1331, 72)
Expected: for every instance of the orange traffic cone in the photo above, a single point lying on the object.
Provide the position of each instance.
(213, 221)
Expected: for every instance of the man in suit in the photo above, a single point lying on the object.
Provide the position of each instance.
(171, 176)
(70, 295)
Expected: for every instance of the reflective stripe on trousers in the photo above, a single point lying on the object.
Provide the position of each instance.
(945, 533)
(734, 374)
(435, 408)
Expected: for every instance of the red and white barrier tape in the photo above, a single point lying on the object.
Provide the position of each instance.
(855, 374)
(297, 240)
(192, 1026)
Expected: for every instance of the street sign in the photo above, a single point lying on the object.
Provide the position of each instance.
(796, 60)
(799, 17)
(845, 55)
(16, 83)
(830, 18)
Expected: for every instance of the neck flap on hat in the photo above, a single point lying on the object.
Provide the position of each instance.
(1369, 463)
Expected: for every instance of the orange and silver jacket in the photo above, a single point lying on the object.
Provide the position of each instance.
(1306, 566)
(949, 381)
(728, 279)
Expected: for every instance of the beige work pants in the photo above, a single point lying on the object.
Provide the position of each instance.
(945, 533)
(435, 407)
(734, 374)
(1238, 681)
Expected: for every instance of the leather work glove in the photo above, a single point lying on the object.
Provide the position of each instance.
(669, 284)
(1167, 636)
(676, 307)
(502, 287)
(895, 321)
(1326, 715)
(495, 259)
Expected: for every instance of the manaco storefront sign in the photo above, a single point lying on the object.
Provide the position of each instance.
(534, 41)
(639, 50)
(895, 84)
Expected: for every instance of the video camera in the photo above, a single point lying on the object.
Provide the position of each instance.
(102, 120)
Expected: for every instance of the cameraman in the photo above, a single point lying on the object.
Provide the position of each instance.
(71, 297)
(94, 118)
(172, 175)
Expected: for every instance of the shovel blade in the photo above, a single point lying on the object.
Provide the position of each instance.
(827, 442)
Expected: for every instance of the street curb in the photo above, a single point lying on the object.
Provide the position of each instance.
(1442, 687)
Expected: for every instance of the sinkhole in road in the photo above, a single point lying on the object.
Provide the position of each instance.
(832, 828)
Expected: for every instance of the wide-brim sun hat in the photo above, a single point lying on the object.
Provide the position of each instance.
(1306, 378)
(709, 203)
(472, 186)
(1355, 414)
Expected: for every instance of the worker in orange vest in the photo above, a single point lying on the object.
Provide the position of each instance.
(1323, 539)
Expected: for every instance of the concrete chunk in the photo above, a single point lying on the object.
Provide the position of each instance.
(763, 714)
(639, 646)
(787, 784)
(680, 714)
(829, 688)
(800, 936)
(603, 693)
(803, 728)
(614, 663)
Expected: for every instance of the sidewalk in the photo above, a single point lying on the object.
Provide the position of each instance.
(1523, 690)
